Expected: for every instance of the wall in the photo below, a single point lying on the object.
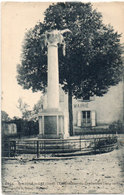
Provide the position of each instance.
(108, 108)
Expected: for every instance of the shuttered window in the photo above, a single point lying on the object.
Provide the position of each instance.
(86, 118)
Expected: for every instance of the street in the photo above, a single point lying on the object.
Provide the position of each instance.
(102, 173)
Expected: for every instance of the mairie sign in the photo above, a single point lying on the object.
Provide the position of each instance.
(82, 105)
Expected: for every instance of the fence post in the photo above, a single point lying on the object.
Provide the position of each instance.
(95, 145)
(37, 149)
(14, 148)
(80, 142)
(9, 148)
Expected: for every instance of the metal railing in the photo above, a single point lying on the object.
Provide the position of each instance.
(57, 147)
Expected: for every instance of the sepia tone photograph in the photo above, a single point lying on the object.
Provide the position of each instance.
(62, 115)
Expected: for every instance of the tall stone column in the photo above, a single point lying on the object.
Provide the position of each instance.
(53, 76)
(51, 120)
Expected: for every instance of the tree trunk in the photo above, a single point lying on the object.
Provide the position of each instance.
(70, 112)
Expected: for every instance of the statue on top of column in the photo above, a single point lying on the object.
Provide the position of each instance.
(54, 37)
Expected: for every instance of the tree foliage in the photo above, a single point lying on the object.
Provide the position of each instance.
(27, 113)
(38, 107)
(24, 109)
(93, 53)
(4, 116)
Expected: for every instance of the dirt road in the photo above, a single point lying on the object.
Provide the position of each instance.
(102, 173)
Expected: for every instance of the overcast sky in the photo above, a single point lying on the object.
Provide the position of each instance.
(16, 18)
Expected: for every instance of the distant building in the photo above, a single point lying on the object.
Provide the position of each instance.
(9, 128)
(95, 111)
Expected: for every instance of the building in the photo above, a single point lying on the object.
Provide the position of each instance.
(99, 111)
(96, 112)
(9, 128)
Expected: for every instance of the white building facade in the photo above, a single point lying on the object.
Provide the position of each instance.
(100, 111)
(96, 111)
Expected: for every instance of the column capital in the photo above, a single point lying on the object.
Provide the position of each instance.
(54, 37)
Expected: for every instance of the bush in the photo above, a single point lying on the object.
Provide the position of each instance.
(117, 126)
(26, 128)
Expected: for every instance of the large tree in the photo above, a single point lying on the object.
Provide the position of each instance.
(92, 62)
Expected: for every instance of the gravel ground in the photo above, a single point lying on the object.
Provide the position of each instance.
(102, 173)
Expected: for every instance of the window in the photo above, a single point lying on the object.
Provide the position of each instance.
(88, 114)
(86, 118)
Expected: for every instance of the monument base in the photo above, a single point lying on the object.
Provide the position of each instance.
(51, 124)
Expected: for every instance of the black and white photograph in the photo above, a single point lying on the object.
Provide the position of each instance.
(62, 97)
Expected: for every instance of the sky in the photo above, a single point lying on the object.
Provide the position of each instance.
(17, 18)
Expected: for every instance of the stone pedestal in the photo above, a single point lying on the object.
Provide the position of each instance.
(51, 124)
